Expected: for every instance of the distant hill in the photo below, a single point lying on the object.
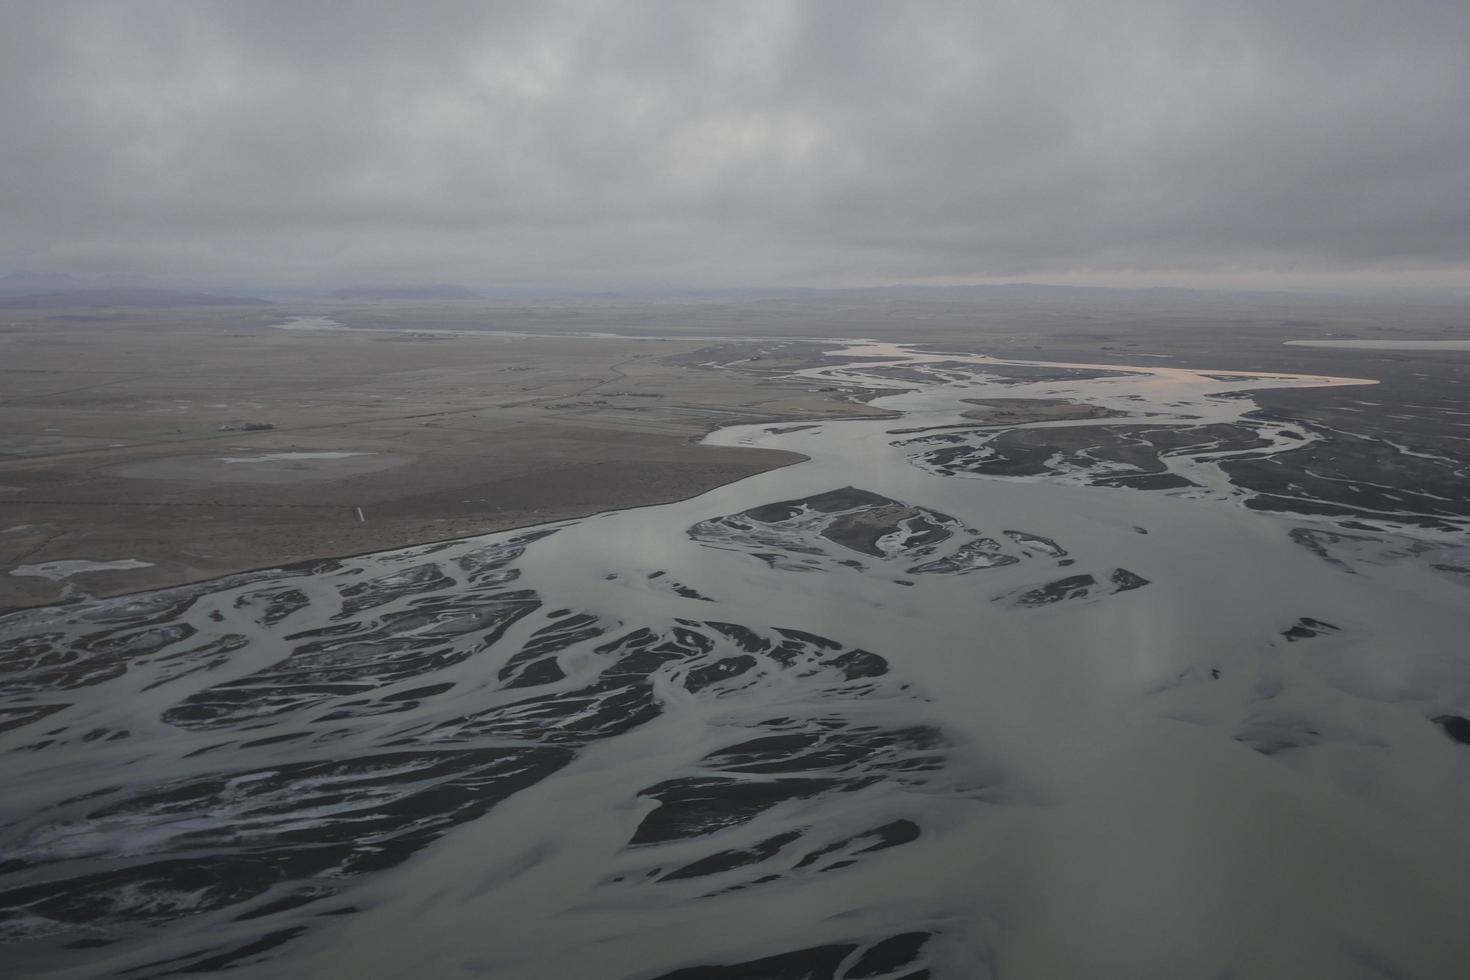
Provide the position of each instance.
(1032, 290)
(412, 292)
(34, 282)
(26, 281)
(126, 297)
(1004, 291)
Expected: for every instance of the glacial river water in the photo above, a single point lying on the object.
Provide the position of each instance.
(888, 713)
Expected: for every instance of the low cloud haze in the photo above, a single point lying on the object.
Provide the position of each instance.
(824, 143)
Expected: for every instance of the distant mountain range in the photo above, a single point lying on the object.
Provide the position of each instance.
(127, 297)
(409, 292)
(30, 282)
(1037, 290)
(48, 290)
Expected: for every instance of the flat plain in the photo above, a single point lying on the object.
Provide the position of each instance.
(205, 442)
(1064, 618)
(141, 436)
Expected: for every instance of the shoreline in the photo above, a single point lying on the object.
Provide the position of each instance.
(398, 538)
(82, 595)
(481, 436)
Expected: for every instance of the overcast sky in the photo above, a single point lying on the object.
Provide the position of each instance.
(745, 143)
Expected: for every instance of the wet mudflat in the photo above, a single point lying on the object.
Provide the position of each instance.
(1066, 701)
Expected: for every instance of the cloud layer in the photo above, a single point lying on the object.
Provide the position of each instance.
(683, 143)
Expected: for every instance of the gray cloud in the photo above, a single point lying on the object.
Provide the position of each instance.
(843, 141)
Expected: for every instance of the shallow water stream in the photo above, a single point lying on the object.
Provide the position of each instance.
(896, 711)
